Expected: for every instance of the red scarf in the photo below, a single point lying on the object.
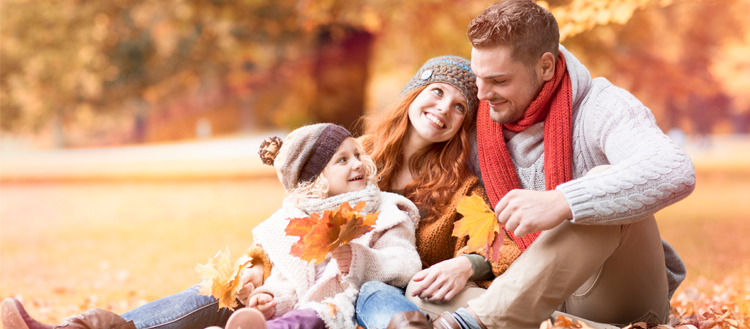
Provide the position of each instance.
(554, 106)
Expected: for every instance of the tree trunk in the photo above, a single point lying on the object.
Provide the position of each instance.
(341, 75)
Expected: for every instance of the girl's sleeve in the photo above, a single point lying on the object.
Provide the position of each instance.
(389, 257)
(282, 291)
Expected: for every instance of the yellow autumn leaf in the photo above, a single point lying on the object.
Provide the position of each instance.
(479, 223)
(221, 278)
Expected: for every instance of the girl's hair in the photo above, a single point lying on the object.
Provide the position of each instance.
(436, 169)
(318, 188)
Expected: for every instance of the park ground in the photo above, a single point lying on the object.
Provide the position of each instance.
(66, 246)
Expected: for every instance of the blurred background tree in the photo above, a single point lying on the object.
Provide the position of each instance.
(91, 73)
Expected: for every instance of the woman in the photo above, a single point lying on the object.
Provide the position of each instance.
(421, 147)
(424, 156)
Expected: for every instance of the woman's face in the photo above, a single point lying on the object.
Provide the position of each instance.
(437, 113)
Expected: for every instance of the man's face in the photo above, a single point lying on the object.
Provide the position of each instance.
(508, 85)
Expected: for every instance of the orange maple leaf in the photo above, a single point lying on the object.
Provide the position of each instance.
(221, 278)
(320, 235)
(480, 224)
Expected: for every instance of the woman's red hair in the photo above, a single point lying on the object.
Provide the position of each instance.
(436, 169)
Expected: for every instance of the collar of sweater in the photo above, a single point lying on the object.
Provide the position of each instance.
(371, 195)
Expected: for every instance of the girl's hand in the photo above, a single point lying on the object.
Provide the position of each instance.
(264, 303)
(251, 278)
(343, 257)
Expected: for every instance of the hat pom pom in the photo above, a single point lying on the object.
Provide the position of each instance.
(269, 149)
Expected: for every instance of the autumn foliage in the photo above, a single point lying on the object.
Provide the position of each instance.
(221, 278)
(320, 235)
(480, 224)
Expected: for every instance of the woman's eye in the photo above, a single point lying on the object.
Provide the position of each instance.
(438, 92)
(460, 108)
(499, 82)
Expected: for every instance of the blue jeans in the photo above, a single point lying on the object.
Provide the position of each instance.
(378, 303)
(186, 310)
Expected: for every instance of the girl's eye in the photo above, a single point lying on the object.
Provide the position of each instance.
(499, 82)
(438, 92)
(341, 160)
(356, 155)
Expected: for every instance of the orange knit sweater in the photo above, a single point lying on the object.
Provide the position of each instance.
(435, 240)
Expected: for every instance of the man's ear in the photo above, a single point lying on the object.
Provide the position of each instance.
(547, 65)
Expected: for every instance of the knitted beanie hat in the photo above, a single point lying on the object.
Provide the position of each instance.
(304, 154)
(453, 70)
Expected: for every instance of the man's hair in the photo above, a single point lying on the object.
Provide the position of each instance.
(527, 28)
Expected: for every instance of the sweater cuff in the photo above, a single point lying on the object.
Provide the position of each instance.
(482, 268)
(257, 254)
(579, 200)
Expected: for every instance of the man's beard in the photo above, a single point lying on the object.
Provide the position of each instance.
(509, 115)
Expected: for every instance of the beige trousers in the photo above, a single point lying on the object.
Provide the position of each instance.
(603, 273)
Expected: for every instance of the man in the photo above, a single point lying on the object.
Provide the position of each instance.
(543, 124)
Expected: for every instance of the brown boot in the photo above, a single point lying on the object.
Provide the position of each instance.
(96, 318)
(409, 320)
(446, 321)
(15, 317)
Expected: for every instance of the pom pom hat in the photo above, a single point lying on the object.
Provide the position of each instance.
(453, 70)
(304, 154)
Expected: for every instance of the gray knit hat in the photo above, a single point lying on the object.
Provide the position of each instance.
(453, 70)
(304, 154)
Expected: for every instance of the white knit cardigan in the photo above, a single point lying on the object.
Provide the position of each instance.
(385, 254)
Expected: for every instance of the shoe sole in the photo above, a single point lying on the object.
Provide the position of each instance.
(12, 319)
(246, 318)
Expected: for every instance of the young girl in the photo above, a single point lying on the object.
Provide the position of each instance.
(321, 166)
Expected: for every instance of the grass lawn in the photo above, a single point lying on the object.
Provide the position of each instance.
(67, 247)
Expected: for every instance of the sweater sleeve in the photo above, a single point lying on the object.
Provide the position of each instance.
(390, 257)
(648, 170)
(282, 291)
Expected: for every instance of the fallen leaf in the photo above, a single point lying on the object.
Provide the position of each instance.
(221, 278)
(480, 224)
(320, 235)
(332, 309)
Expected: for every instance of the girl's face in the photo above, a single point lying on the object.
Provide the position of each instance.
(437, 113)
(345, 172)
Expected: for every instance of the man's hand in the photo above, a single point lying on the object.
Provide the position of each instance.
(343, 257)
(251, 278)
(526, 211)
(442, 281)
(264, 303)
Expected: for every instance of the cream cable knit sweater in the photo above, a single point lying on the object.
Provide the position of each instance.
(610, 127)
(385, 254)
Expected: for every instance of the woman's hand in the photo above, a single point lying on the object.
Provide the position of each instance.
(343, 257)
(264, 303)
(442, 281)
(252, 277)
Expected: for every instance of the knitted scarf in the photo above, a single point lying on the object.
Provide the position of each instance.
(554, 106)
